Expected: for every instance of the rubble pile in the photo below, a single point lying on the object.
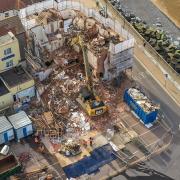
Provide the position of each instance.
(66, 58)
(70, 148)
(60, 99)
(142, 100)
(54, 43)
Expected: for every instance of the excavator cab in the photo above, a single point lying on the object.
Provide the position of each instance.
(91, 103)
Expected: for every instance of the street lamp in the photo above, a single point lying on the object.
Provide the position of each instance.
(166, 77)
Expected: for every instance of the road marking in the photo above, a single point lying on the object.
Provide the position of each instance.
(135, 124)
(162, 86)
(149, 130)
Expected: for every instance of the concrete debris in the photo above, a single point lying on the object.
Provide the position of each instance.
(78, 121)
(110, 134)
(68, 14)
(90, 23)
(44, 74)
(142, 100)
(79, 23)
(70, 148)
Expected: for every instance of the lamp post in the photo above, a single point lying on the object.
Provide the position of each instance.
(166, 77)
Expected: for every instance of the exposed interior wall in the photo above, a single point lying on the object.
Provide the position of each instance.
(13, 57)
(120, 56)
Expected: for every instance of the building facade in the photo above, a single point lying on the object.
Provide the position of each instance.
(9, 52)
(6, 98)
(18, 88)
(14, 25)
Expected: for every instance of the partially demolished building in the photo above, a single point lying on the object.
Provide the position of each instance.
(50, 31)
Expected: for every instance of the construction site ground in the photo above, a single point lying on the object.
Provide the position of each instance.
(135, 151)
(132, 141)
(35, 164)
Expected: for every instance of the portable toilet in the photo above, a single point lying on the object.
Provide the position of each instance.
(6, 130)
(22, 125)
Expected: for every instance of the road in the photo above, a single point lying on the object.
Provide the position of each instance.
(166, 165)
(146, 10)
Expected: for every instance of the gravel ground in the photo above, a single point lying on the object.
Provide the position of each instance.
(146, 10)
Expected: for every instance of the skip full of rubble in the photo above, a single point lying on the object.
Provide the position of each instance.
(142, 100)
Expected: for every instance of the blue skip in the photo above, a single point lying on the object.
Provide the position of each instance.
(91, 164)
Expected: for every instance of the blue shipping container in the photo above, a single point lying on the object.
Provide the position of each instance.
(144, 116)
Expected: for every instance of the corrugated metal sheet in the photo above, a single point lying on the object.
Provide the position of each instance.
(24, 131)
(4, 124)
(19, 120)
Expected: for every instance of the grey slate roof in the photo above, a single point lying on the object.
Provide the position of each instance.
(4, 124)
(19, 120)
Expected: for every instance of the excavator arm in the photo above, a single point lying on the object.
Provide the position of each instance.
(87, 98)
(79, 41)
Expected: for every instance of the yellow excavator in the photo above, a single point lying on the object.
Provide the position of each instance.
(87, 98)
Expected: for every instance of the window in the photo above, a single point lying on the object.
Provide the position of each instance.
(14, 98)
(6, 14)
(9, 63)
(7, 51)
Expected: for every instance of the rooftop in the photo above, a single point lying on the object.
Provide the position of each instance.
(3, 88)
(5, 39)
(6, 5)
(4, 124)
(15, 76)
(12, 24)
(19, 120)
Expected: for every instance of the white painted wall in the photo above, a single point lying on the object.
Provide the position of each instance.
(9, 13)
(27, 92)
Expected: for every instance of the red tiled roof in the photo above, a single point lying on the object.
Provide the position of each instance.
(6, 5)
(12, 24)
